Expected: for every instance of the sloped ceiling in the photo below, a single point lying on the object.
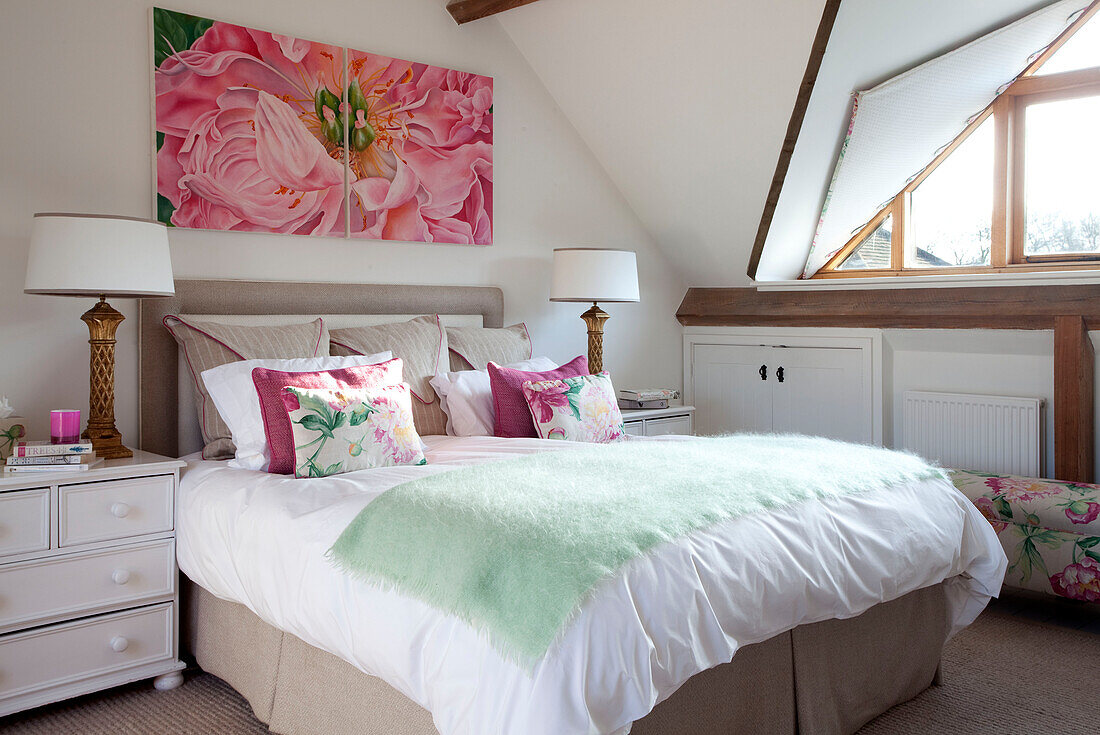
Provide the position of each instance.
(684, 103)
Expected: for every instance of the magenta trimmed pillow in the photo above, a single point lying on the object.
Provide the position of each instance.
(269, 387)
(512, 417)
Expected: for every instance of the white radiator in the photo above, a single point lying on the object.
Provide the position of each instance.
(981, 433)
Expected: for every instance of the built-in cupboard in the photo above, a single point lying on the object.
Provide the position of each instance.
(817, 382)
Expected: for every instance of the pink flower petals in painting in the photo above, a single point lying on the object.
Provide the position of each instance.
(261, 132)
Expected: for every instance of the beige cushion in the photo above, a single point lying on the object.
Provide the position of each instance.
(472, 348)
(421, 343)
(208, 344)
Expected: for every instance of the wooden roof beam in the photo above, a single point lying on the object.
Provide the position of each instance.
(991, 307)
(463, 11)
(794, 126)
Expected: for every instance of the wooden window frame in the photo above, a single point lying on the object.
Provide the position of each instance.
(1006, 250)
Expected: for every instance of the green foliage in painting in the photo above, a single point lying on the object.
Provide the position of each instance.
(173, 31)
(164, 210)
(362, 132)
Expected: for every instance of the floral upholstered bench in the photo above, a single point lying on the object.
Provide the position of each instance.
(1050, 530)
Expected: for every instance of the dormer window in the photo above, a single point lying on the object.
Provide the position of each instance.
(1017, 190)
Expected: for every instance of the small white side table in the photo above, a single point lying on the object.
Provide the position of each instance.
(89, 581)
(659, 421)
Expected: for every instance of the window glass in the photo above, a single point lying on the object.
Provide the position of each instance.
(1080, 51)
(1062, 177)
(873, 252)
(951, 211)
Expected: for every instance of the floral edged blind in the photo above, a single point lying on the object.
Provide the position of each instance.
(898, 127)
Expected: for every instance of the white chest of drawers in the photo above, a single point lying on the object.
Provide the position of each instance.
(88, 580)
(660, 421)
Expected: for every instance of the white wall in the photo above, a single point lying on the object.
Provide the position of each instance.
(76, 136)
(986, 362)
(993, 362)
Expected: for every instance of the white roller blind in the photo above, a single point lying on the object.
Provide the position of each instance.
(898, 127)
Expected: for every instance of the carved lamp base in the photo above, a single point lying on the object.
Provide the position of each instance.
(594, 318)
(103, 320)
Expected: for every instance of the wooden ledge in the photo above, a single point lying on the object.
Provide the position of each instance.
(990, 307)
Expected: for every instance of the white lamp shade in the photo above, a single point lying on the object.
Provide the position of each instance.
(594, 274)
(94, 255)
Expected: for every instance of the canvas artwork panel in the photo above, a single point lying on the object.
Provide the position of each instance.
(261, 132)
(420, 153)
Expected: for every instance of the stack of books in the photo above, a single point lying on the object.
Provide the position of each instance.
(44, 456)
(647, 397)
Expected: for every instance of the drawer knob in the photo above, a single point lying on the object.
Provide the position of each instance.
(119, 644)
(120, 576)
(120, 510)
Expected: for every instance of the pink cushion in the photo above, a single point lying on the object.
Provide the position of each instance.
(269, 388)
(511, 414)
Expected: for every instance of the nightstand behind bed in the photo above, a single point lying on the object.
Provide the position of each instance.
(88, 580)
(659, 421)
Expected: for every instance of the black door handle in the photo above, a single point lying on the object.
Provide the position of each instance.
(763, 372)
(779, 374)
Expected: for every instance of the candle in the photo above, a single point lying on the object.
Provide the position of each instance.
(64, 425)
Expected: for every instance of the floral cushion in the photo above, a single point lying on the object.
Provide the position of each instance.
(338, 431)
(268, 388)
(1049, 529)
(579, 409)
(1073, 507)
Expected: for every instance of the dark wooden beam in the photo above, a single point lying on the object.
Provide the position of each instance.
(463, 11)
(1073, 400)
(992, 307)
(794, 126)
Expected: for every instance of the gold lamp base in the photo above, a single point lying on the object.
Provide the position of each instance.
(103, 320)
(594, 318)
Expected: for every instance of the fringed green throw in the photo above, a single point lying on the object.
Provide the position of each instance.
(513, 547)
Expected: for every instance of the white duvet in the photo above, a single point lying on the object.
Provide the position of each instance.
(260, 540)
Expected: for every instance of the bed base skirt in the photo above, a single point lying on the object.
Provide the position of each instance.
(823, 678)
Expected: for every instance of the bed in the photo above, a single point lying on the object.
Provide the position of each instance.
(316, 651)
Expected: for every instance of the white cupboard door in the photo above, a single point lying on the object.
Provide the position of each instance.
(821, 392)
(730, 394)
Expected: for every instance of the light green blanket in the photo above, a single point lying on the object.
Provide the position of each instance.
(513, 547)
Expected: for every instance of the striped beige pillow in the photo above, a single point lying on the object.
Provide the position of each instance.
(421, 343)
(209, 344)
(472, 348)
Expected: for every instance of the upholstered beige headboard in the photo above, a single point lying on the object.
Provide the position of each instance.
(158, 420)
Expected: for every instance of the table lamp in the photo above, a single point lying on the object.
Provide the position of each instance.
(594, 274)
(99, 256)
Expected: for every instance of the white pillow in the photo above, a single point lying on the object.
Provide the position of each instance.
(467, 398)
(234, 394)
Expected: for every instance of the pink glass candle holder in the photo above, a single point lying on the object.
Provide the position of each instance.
(64, 425)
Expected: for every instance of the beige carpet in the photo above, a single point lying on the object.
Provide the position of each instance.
(1006, 674)
(204, 705)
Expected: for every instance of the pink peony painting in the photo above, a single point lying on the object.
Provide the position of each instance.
(261, 132)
